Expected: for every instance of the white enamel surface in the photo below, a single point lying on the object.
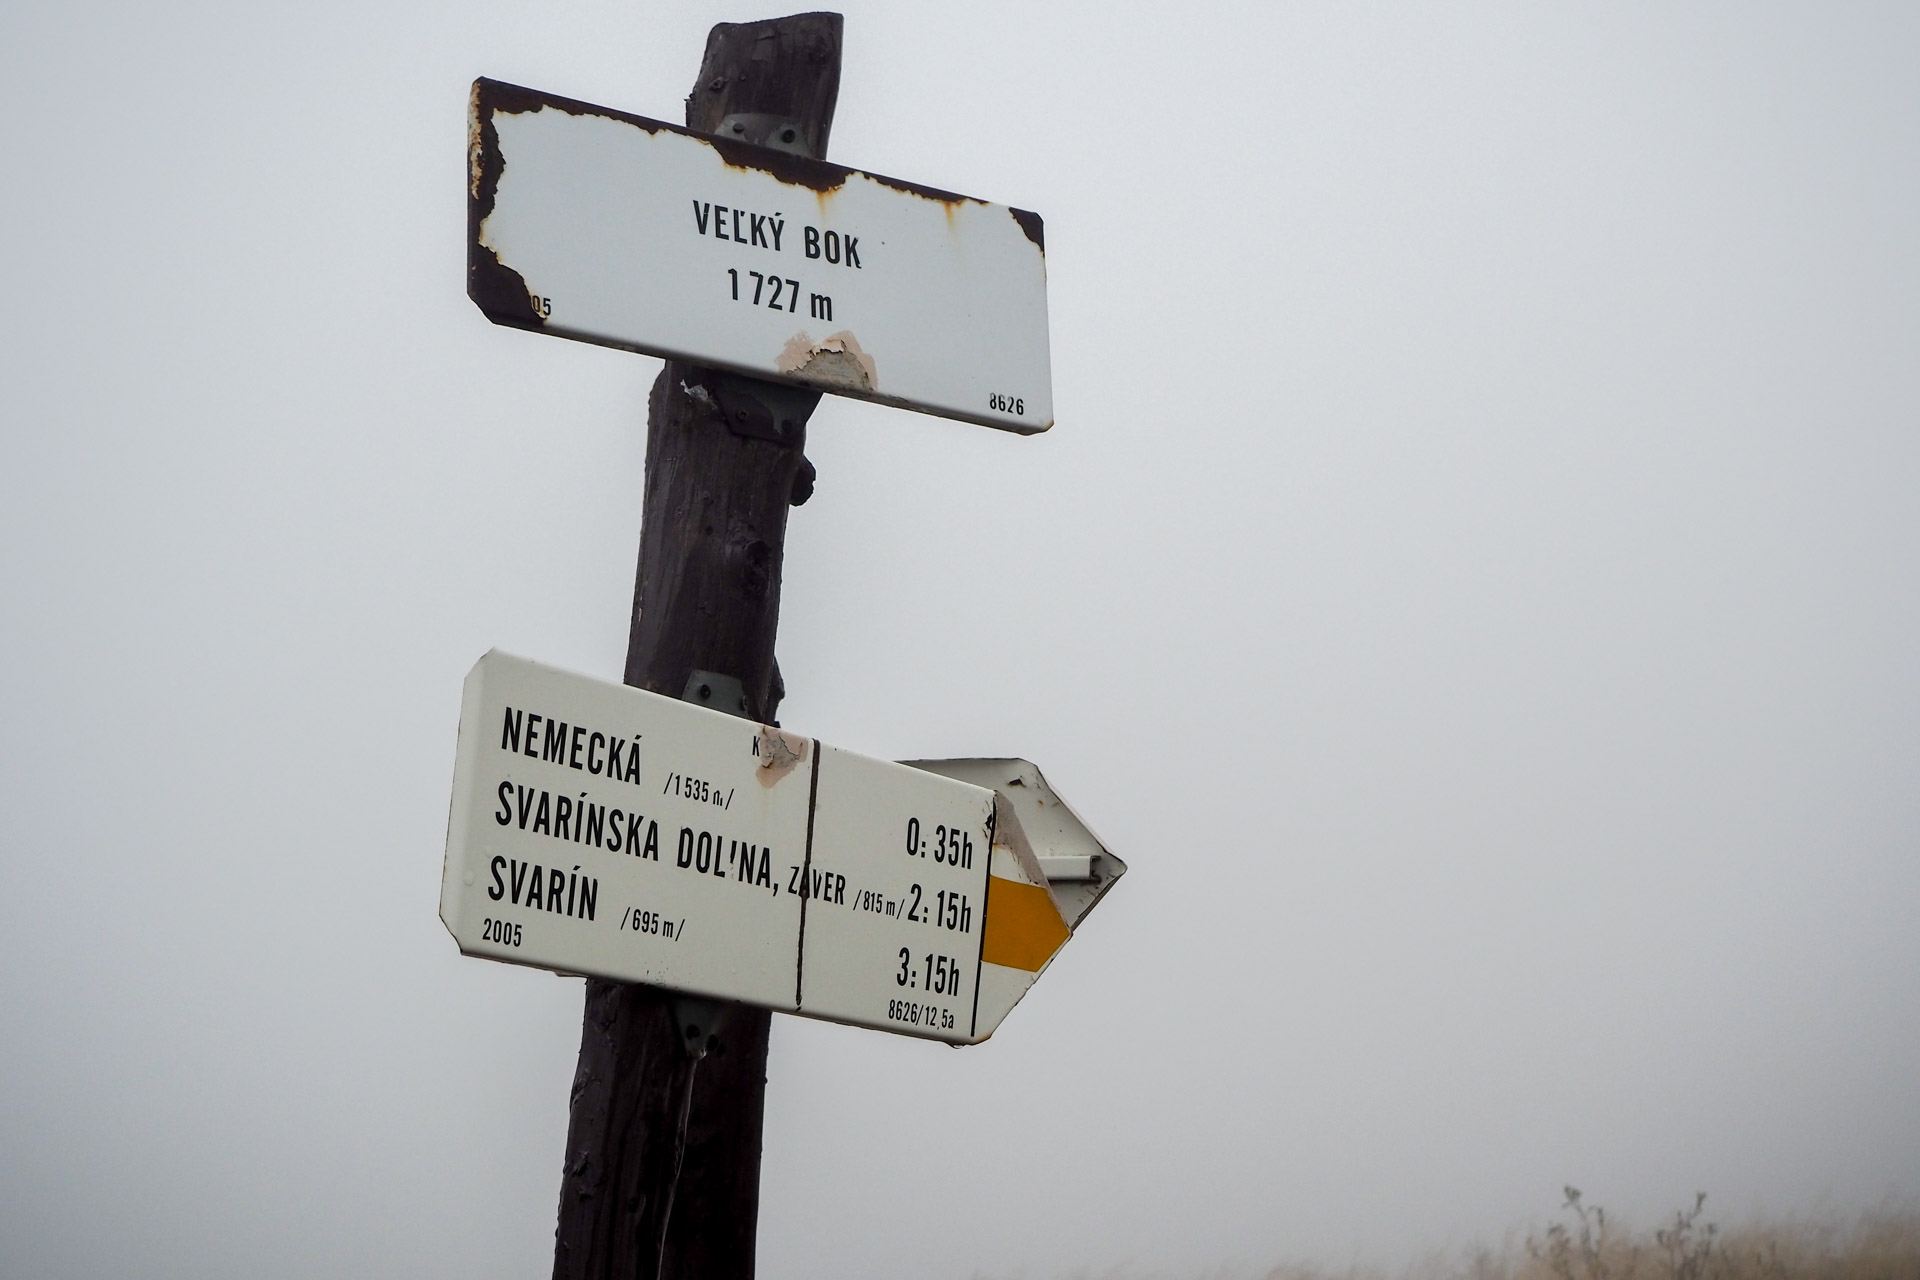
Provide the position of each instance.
(735, 939)
(854, 941)
(599, 217)
(729, 934)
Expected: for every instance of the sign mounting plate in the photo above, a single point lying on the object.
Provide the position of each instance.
(614, 229)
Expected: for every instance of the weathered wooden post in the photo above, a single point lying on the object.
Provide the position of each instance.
(662, 1172)
(918, 899)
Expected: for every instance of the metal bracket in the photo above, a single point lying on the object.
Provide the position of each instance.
(750, 407)
(762, 410)
(776, 133)
(700, 1022)
(717, 693)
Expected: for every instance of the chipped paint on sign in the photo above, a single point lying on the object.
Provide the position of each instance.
(780, 752)
(627, 232)
(834, 364)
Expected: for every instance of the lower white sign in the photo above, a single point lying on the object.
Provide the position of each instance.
(604, 830)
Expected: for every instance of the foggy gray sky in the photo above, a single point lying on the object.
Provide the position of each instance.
(1472, 581)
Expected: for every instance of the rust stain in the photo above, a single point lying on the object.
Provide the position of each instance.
(497, 289)
(513, 100)
(836, 362)
(780, 753)
(952, 199)
(1031, 224)
(473, 142)
(822, 176)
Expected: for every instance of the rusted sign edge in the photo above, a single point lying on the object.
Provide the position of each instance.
(485, 162)
(498, 290)
(823, 176)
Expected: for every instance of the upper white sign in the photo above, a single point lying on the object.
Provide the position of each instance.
(604, 830)
(615, 229)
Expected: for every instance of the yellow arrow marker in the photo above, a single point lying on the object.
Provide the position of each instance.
(1023, 927)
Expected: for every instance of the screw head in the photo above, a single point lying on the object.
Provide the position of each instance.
(786, 135)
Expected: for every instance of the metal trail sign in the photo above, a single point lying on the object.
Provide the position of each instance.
(604, 830)
(611, 228)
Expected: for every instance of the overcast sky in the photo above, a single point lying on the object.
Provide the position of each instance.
(1472, 581)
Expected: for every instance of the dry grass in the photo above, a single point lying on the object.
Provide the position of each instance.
(1590, 1244)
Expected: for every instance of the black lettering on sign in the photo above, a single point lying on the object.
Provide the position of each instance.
(839, 250)
(528, 884)
(752, 864)
(738, 226)
(576, 746)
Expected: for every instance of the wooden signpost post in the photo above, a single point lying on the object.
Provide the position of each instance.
(703, 875)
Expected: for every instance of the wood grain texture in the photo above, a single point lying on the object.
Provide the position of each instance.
(706, 597)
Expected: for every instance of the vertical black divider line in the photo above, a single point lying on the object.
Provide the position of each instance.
(980, 949)
(806, 881)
